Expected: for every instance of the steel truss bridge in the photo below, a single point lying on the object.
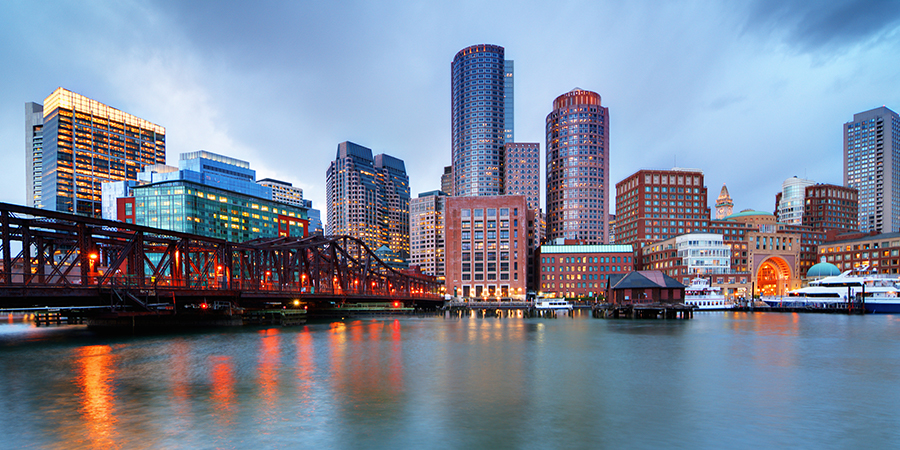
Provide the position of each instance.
(53, 259)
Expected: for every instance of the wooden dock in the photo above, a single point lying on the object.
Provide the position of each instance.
(643, 311)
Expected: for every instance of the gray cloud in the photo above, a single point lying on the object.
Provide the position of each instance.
(830, 25)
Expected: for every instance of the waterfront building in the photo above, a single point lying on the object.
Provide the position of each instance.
(872, 167)
(790, 203)
(522, 171)
(283, 192)
(645, 286)
(655, 205)
(878, 253)
(34, 145)
(191, 207)
(207, 194)
(580, 271)
(577, 131)
(447, 180)
(478, 119)
(426, 232)
(86, 143)
(486, 246)
(724, 204)
(699, 254)
(368, 198)
(831, 208)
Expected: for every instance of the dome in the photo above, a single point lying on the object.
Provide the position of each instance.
(822, 269)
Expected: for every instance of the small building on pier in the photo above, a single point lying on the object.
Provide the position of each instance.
(645, 286)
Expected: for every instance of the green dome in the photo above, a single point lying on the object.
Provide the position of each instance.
(823, 269)
(749, 212)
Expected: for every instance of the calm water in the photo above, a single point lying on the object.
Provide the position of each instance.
(721, 380)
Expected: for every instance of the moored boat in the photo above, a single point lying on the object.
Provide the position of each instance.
(704, 297)
(878, 292)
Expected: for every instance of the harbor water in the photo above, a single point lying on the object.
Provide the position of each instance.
(720, 380)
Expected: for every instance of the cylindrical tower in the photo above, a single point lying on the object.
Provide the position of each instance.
(578, 168)
(477, 122)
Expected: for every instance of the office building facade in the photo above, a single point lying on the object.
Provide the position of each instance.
(34, 145)
(872, 167)
(284, 192)
(86, 143)
(831, 208)
(368, 198)
(578, 168)
(790, 203)
(522, 171)
(486, 247)
(655, 205)
(426, 232)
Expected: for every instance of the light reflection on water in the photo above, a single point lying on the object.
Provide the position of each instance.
(733, 380)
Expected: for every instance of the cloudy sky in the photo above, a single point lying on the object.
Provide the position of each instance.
(750, 92)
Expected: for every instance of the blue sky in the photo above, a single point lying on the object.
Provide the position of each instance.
(750, 92)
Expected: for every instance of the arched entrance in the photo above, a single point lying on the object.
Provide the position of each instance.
(773, 277)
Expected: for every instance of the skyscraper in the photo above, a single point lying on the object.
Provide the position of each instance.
(478, 119)
(86, 143)
(522, 171)
(509, 132)
(393, 185)
(426, 234)
(578, 168)
(34, 123)
(447, 180)
(871, 159)
(368, 198)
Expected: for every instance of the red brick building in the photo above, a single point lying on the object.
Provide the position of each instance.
(487, 246)
(654, 205)
(580, 271)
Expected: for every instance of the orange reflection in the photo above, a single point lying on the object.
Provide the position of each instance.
(395, 371)
(223, 390)
(268, 367)
(95, 374)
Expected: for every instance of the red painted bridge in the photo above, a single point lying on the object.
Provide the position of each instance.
(52, 259)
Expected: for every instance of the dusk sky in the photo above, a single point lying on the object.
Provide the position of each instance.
(749, 92)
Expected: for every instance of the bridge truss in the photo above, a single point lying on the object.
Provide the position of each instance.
(50, 257)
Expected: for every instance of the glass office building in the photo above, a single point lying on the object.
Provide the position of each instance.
(189, 207)
(86, 143)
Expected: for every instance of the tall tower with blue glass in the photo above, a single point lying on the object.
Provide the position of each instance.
(479, 118)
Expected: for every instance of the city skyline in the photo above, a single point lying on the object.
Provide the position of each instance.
(708, 81)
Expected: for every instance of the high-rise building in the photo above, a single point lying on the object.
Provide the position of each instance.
(654, 205)
(368, 198)
(447, 180)
(724, 204)
(509, 134)
(790, 202)
(283, 192)
(478, 119)
(426, 234)
(86, 143)
(831, 208)
(578, 168)
(393, 185)
(34, 122)
(872, 167)
(522, 171)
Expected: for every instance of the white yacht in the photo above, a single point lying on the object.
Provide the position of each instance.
(552, 303)
(879, 291)
(704, 297)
